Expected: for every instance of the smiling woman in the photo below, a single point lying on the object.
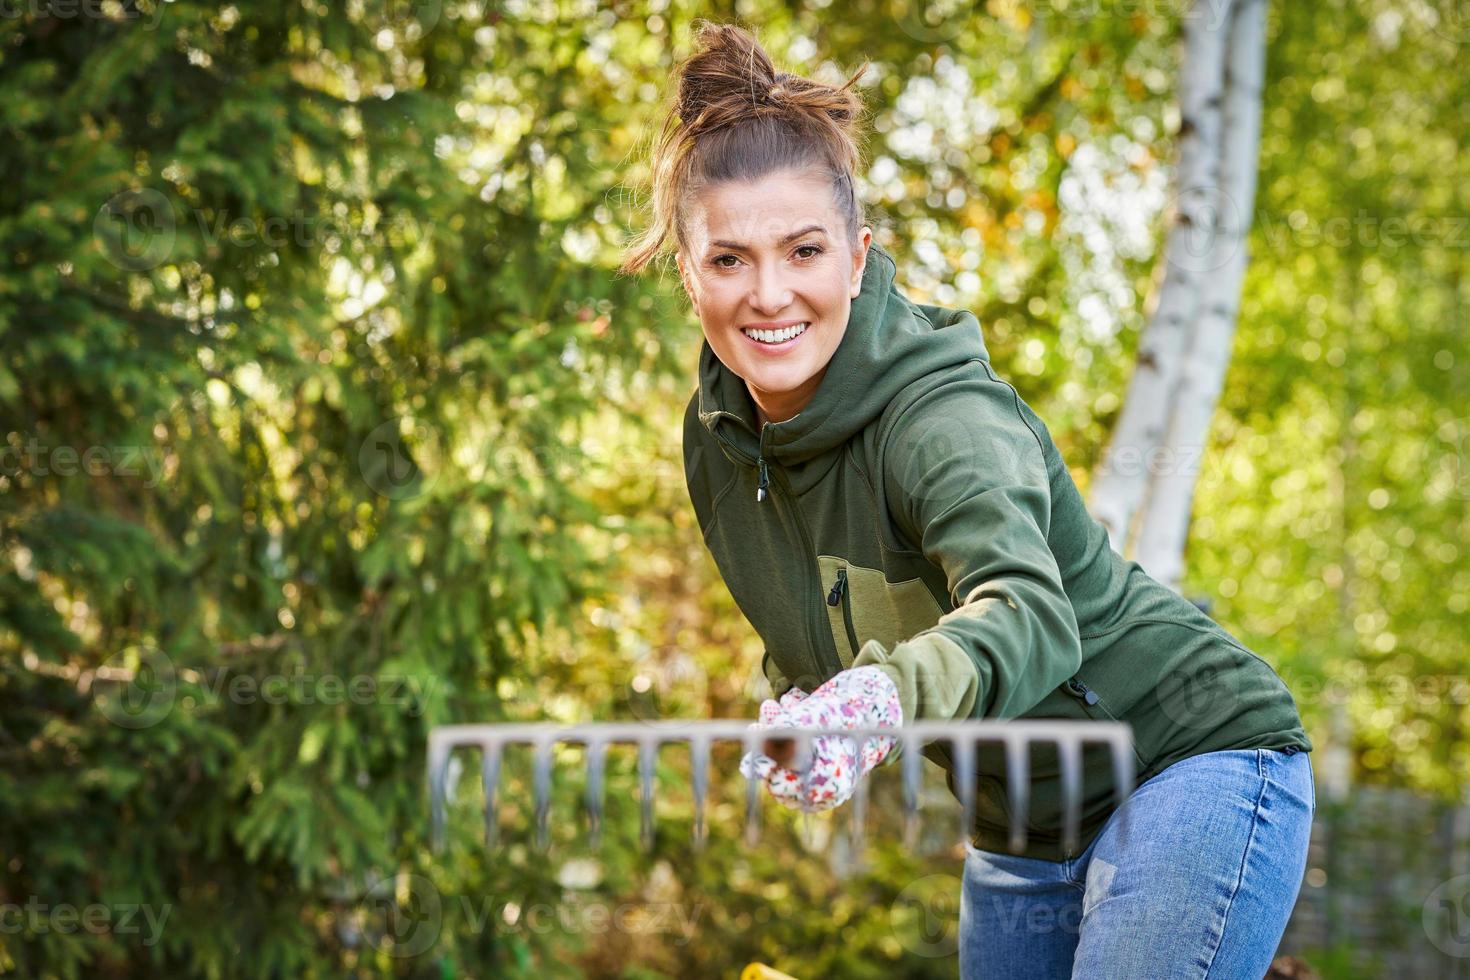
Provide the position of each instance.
(901, 530)
(756, 189)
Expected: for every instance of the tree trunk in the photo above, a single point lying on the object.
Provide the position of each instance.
(1144, 488)
(1164, 527)
(1121, 481)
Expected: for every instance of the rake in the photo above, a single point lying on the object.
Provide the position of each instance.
(1017, 736)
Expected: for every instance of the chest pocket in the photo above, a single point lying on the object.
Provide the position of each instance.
(863, 605)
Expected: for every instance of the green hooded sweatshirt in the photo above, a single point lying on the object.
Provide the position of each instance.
(917, 516)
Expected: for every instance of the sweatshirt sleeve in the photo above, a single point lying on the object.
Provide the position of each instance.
(779, 684)
(964, 474)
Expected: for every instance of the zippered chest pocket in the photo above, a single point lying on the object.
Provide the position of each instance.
(863, 605)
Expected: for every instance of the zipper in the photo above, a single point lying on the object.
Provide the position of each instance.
(842, 592)
(1088, 696)
(819, 636)
(1081, 690)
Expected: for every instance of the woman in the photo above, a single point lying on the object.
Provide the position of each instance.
(901, 531)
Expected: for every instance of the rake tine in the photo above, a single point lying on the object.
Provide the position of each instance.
(1018, 787)
(647, 757)
(913, 775)
(752, 793)
(490, 779)
(541, 792)
(1123, 778)
(699, 764)
(859, 813)
(438, 791)
(964, 766)
(1069, 750)
(596, 763)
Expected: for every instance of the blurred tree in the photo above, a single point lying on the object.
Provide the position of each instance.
(314, 371)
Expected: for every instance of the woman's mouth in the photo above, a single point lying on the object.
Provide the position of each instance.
(776, 340)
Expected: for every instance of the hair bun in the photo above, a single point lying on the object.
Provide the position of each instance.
(734, 116)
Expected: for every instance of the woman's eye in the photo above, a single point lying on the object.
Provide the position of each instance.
(805, 252)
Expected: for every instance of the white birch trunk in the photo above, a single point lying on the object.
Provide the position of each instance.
(1164, 524)
(1120, 483)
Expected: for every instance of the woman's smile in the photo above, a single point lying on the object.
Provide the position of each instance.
(774, 340)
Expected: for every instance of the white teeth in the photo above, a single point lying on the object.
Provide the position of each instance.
(776, 336)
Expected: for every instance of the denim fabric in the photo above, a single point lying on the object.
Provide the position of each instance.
(1202, 887)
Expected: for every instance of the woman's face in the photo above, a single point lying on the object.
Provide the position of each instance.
(772, 277)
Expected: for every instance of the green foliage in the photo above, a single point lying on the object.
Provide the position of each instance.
(366, 437)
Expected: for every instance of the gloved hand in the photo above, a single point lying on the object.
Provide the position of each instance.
(862, 696)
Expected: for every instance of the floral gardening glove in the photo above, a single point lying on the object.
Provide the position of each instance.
(852, 698)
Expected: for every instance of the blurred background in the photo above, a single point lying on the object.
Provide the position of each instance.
(324, 419)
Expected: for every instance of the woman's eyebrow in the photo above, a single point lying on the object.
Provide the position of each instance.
(795, 234)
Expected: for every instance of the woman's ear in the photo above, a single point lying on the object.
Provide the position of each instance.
(685, 279)
(860, 261)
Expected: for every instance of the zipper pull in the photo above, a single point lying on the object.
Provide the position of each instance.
(765, 480)
(835, 596)
(1082, 690)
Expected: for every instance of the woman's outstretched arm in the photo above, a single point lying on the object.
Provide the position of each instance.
(964, 474)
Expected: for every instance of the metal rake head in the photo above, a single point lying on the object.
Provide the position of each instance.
(1016, 735)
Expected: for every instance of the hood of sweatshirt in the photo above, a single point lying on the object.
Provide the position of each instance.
(890, 342)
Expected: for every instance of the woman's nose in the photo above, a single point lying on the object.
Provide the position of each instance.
(771, 295)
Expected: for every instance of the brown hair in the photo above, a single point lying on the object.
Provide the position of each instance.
(741, 119)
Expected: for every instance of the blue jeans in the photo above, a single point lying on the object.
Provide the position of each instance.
(1203, 887)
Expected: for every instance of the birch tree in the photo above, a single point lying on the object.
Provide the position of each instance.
(1145, 485)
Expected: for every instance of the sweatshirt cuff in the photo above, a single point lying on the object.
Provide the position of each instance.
(935, 678)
